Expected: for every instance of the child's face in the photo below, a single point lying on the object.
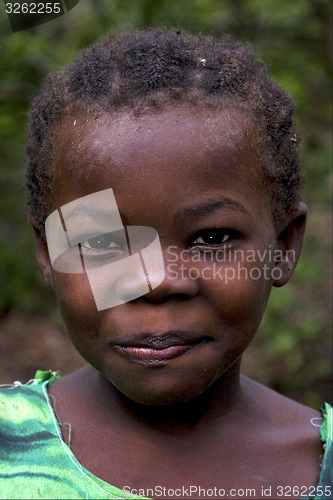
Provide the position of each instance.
(192, 176)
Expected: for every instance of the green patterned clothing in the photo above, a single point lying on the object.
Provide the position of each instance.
(35, 462)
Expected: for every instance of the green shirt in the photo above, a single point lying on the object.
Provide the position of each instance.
(35, 462)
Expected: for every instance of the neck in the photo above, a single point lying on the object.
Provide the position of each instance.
(220, 399)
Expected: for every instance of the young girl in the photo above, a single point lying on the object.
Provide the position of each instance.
(164, 191)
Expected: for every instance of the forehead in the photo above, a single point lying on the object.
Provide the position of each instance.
(181, 149)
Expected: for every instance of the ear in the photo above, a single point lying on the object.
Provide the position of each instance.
(42, 254)
(289, 245)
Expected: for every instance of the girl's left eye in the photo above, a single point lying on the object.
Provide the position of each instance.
(105, 241)
(212, 237)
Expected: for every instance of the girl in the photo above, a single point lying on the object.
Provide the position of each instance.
(164, 191)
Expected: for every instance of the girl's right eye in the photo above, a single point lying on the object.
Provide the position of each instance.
(103, 242)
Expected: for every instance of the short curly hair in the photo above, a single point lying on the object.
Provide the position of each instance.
(141, 71)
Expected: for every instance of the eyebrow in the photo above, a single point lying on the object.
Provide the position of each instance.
(203, 209)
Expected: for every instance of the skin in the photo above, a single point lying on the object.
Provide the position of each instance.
(170, 171)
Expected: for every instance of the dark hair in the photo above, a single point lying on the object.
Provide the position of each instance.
(141, 71)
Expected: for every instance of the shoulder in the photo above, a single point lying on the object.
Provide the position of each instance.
(71, 398)
(72, 387)
(277, 407)
(290, 431)
(283, 421)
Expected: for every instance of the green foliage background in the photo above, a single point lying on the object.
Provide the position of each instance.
(292, 352)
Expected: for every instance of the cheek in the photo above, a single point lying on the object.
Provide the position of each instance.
(239, 294)
(239, 306)
(76, 302)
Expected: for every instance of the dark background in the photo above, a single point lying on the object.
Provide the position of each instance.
(292, 351)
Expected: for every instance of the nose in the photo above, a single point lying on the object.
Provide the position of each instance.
(175, 285)
(133, 282)
(118, 282)
(177, 282)
(173, 288)
(146, 274)
(161, 278)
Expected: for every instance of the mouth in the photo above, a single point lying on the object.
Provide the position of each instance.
(158, 349)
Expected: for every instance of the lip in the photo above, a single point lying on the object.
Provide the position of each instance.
(156, 349)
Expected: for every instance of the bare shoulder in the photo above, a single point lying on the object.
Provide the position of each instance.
(68, 395)
(279, 408)
(291, 431)
(68, 386)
